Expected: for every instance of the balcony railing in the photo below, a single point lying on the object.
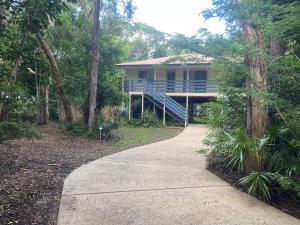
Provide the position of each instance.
(173, 86)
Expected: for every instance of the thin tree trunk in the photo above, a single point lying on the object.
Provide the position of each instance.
(15, 68)
(94, 65)
(44, 95)
(257, 112)
(57, 78)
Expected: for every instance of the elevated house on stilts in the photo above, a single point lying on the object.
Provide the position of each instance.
(173, 84)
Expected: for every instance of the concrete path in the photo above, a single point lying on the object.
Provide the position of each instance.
(164, 183)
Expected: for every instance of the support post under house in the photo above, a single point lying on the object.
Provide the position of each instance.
(143, 99)
(164, 112)
(129, 108)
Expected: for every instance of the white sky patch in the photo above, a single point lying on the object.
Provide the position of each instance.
(176, 16)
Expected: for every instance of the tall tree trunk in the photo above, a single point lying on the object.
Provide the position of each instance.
(3, 21)
(94, 65)
(57, 78)
(277, 47)
(257, 112)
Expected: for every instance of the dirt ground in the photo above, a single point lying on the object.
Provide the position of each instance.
(32, 174)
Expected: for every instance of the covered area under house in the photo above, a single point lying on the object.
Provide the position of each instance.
(175, 84)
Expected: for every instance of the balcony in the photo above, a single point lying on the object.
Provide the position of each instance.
(173, 86)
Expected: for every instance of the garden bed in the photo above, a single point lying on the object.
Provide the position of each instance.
(284, 200)
(32, 172)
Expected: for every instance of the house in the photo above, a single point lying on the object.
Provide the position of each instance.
(173, 83)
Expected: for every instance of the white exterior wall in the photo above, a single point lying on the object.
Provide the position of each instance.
(161, 73)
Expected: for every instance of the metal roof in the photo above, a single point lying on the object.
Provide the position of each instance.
(187, 59)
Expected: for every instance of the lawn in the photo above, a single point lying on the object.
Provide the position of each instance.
(131, 137)
(32, 172)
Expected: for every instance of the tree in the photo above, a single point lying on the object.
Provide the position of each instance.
(112, 8)
(257, 112)
(57, 78)
(147, 42)
(244, 16)
(95, 65)
(256, 118)
(34, 17)
(3, 21)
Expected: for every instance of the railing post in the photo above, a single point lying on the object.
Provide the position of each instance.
(130, 85)
(187, 79)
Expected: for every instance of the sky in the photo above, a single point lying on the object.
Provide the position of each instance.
(176, 16)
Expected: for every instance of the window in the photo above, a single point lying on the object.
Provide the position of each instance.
(171, 75)
(198, 75)
(146, 75)
(201, 75)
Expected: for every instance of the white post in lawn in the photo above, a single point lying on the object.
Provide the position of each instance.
(143, 104)
(129, 108)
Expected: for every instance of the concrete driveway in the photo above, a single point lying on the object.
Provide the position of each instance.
(164, 183)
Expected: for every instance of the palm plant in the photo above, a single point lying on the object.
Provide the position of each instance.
(257, 183)
(241, 151)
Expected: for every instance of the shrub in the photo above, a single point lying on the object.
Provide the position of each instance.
(17, 112)
(148, 119)
(263, 160)
(76, 129)
(241, 151)
(109, 119)
(12, 129)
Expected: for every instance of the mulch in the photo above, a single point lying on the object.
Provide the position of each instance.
(32, 173)
(285, 200)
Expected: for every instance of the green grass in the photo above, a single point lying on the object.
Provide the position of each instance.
(135, 136)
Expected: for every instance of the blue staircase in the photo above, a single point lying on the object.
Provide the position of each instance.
(172, 107)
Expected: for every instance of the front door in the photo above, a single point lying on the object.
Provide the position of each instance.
(201, 75)
(201, 81)
(171, 77)
(198, 81)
